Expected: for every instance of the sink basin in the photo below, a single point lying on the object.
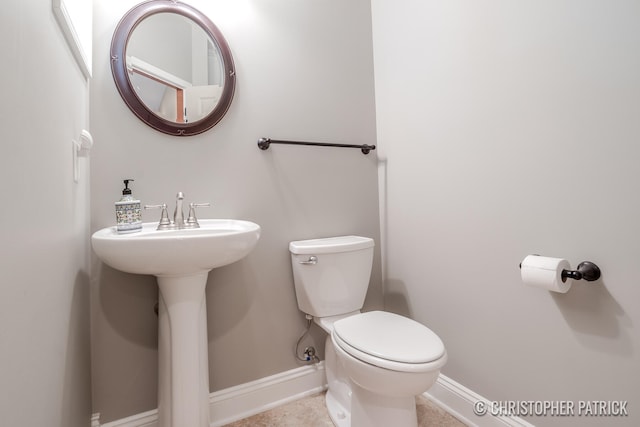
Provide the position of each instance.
(216, 243)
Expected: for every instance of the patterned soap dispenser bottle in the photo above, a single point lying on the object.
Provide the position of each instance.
(128, 215)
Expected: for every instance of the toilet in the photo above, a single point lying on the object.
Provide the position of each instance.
(376, 362)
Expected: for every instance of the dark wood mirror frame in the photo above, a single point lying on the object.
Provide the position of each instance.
(119, 67)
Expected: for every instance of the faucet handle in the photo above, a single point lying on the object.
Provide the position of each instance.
(192, 221)
(164, 223)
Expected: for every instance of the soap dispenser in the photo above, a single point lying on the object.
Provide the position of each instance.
(128, 215)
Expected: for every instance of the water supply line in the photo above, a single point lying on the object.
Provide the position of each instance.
(309, 355)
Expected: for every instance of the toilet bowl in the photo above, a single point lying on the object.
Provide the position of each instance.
(376, 362)
(389, 359)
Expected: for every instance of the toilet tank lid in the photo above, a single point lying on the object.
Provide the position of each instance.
(330, 245)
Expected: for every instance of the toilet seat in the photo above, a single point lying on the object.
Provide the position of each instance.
(389, 341)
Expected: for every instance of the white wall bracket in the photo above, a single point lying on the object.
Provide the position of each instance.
(81, 148)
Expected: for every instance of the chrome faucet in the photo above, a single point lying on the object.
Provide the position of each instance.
(178, 214)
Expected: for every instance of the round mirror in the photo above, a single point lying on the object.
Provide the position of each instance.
(172, 67)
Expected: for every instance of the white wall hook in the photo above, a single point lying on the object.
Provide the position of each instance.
(81, 148)
(85, 144)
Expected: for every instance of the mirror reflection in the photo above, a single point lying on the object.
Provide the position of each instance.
(174, 67)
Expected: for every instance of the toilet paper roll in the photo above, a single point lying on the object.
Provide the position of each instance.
(545, 272)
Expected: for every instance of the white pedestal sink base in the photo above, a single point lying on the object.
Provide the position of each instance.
(181, 260)
(183, 377)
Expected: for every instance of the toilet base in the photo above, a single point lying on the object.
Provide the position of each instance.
(373, 410)
(338, 397)
(339, 415)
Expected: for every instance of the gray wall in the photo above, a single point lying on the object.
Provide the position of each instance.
(512, 128)
(44, 289)
(305, 71)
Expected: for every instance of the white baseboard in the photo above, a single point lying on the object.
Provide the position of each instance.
(145, 419)
(459, 401)
(235, 403)
(244, 400)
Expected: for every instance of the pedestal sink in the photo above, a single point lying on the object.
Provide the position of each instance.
(181, 260)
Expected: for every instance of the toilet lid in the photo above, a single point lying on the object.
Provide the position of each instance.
(391, 337)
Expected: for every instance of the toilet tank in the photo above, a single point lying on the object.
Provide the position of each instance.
(331, 275)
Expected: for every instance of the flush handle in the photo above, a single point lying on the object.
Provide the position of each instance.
(313, 260)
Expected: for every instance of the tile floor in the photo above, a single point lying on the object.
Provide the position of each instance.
(311, 412)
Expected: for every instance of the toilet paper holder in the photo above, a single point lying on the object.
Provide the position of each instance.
(586, 270)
